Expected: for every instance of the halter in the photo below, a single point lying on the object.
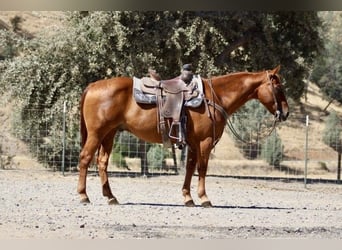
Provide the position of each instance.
(227, 117)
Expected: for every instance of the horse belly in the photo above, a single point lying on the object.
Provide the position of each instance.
(142, 122)
(147, 134)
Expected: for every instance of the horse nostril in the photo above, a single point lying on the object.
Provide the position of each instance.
(285, 116)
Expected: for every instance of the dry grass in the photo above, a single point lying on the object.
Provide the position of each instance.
(35, 21)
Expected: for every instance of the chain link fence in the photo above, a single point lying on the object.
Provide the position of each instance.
(301, 152)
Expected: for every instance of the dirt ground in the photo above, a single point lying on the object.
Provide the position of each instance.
(38, 204)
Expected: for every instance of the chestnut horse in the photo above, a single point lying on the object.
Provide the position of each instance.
(108, 106)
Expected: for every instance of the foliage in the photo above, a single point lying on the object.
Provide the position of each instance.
(332, 131)
(251, 123)
(42, 130)
(119, 160)
(156, 157)
(52, 69)
(10, 43)
(128, 145)
(327, 71)
(272, 150)
(254, 125)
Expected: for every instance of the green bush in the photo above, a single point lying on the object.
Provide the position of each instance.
(272, 150)
(332, 131)
(119, 160)
(156, 157)
(249, 123)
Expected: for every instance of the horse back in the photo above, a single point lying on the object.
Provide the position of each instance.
(111, 84)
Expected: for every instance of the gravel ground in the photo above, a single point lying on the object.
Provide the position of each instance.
(37, 204)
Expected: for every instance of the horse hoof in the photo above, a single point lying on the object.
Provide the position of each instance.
(190, 203)
(85, 200)
(113, 201)
(207, 204)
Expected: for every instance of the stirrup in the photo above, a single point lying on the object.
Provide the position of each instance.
(180, 141)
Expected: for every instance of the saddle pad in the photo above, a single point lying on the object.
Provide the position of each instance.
(141, 97)
(196, 101)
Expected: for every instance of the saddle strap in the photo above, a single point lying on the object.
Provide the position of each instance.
(161, 120)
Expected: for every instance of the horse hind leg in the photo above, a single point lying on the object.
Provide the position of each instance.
(102, 161)
(86, 157)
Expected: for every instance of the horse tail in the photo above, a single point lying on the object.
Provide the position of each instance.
(83, 128)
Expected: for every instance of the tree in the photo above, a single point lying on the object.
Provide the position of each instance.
(11, 37)
(55, 68)
(332, 137)
(327, 71)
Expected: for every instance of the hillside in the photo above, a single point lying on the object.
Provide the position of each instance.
(34, 21)
(291, 132)
(14, 151)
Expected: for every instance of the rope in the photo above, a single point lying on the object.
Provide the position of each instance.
(230, 125)
(228, 121)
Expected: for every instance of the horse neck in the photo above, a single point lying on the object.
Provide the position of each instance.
(234, 90)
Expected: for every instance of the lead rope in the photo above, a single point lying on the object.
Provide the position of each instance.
(208, 102)
(224, 114)
(231, 126)
(214, 118)
(227, 118)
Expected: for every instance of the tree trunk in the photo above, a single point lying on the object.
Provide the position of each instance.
(143, 157)
(326, 107)
(174, 160)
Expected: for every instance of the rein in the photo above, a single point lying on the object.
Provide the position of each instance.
(227, 117)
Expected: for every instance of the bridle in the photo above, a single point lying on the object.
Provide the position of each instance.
(227, 117)
(278, 111)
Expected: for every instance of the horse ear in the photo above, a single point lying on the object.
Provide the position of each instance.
(276, 70)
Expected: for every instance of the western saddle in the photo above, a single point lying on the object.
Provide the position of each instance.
(170, 98)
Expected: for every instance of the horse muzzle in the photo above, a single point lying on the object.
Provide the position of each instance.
(280, 116)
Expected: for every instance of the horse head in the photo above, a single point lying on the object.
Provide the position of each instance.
(270, 93)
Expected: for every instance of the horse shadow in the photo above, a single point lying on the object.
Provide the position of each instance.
(252, 207)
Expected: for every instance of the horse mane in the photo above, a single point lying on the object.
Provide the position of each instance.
(236, 74)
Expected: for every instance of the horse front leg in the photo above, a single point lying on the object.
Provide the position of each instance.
(202, 168)
(202, 172)
(102, 162)
(190, 169)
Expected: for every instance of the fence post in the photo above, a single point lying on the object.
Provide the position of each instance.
(306, 150)
(63, 137)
